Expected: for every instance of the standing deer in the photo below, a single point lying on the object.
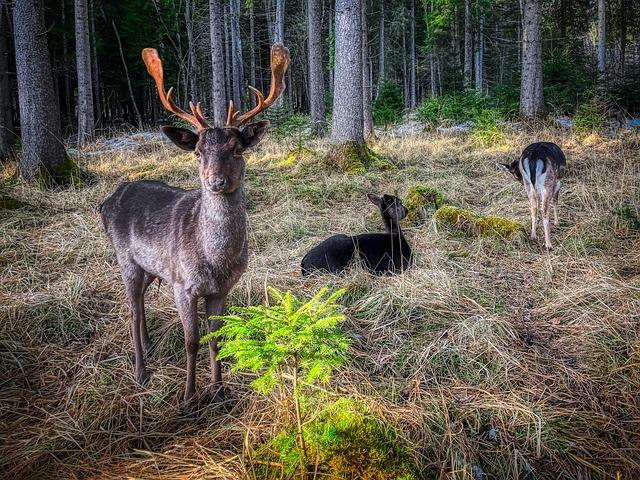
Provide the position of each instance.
(540, 168)
(194, 240)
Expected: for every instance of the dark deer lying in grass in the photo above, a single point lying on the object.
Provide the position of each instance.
(379, 252)
(195, 240)
(540, 168)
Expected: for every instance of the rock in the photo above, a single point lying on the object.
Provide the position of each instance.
(565, 122)
(632, 123)
(409, 128)
(422, 201)
(460, 128)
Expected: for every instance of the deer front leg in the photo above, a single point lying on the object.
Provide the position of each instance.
(533, 205)
(215, 306)
(187, 309)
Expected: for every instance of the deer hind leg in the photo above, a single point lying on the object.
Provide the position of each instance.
(187, 310)
(215, 306)
(556, 193)
(533, 206)
(546, 202)
(133, 277)
(144, 333)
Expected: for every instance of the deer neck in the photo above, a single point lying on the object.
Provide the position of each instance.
(391, 226)
(223, 224)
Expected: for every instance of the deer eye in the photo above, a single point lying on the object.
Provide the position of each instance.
(196, 153)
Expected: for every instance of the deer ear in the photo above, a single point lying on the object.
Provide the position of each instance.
(183, 138)
(375, 199)
(253, 133)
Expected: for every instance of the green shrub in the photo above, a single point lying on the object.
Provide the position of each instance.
(590, 115)
(389, 105)
(567, 83)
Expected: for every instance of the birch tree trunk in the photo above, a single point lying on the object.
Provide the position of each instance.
(316, 68)
(381, 50)
(83, 65)
(236, 54)
(602, 42)
(217, 64)
(367, 113)
(7, 134)
(347, 98)
(39, 109)
(531, 97)
(468, 45)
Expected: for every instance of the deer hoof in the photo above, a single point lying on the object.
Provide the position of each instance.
(142, 376)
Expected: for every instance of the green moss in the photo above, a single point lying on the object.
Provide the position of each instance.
(296, 155)
(420, 200)
(67, 174)
(349, 442)
(357, 158)
(469, 223)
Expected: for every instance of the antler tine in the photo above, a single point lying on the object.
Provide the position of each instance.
(154, 67)
(280, 59)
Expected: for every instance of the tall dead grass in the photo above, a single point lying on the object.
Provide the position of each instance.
(506, 359)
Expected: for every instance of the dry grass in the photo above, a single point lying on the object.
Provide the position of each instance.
(543, 348)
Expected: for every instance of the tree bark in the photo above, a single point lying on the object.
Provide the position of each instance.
(347, 99)
(217, 64)
(86, 122)
(531, 97)
(316, 68)
(192, 73)
(252, 47)
(602, 41)
(367, 113)
(236, 54)
(7, 134)
(468, 45)
(95, 73)
(381, 50)
(278, 37)
(68, 100)
(39, 109)
(227, 52)
(480, 58)
(623, 35)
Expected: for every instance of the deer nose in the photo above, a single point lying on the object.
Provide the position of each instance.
(216, 184)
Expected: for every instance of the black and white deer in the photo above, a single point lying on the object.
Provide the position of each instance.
(540, 168)
(194, 240)
(380, 253)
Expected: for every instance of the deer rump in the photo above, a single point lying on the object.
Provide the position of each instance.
(380, 253)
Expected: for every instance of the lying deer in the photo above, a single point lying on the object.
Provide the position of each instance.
(379, 252)
(194, 240)
(540, 168)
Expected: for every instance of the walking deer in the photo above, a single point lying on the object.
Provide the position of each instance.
(540, 168)
(380, 252)
(194, 240)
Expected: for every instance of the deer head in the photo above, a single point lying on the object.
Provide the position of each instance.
(219, 149)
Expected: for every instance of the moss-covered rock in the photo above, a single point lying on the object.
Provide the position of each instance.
(422, 201)
(348, 441)
(355, 157)
(469, 223)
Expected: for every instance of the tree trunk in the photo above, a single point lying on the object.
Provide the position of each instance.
(68, 101)
(367, 114)
(405, 77)
(39, 109)
(623, 34)
(192, 72)
(83, 64)
(236, 54)
(128, 77)
(252, 47)
(468, 45)
(95, 73)
(278, 37)
(7, 134)
(332, 70)
(347, 99)
(316, 68)
(219, 102)
(531, 98)
(602, 41)
(227, 52)
(413, 101)
(480, 57)
(381, 50)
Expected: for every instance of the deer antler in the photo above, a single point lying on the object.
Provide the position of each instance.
(280, 59)
(154, 67)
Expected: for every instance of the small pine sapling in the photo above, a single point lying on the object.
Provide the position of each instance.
(291, 339)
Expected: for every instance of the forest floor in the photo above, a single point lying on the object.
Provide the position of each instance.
(489, 357)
